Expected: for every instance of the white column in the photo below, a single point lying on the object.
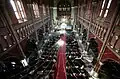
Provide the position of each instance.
(72, 16)
(75, 16)
(55, 14)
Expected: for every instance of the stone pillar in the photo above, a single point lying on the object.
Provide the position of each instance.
(12, 30)
(41, 12)
(54, 15)
(94, 73)
(72, 16)
(90, 18)
(78, 10)
(49, 27)
(72, 13)
(44, 10)
(33, 18)
(37, 39)
(75, 15)
(81, 30)
(44, 27)
(98, 66)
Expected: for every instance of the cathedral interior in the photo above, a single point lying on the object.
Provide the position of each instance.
(59, 39)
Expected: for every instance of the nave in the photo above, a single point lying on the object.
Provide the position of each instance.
(75, 65)
(41, 67)
(52, 59)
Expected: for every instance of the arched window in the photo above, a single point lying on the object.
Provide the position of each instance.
(103, 4)
(19, 10)
(108, 6)
(107, 9)
(36, 10)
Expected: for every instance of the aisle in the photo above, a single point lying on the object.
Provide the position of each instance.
(61, 59)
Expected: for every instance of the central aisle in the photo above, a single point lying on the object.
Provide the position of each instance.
(61, 59)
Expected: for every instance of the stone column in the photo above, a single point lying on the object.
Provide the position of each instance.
(37, 39)
(54, 15)
(98, 66)
(8, 19)
(94, 73)
(90, 17)
(72, 16)
(75, 15)
(44, 9)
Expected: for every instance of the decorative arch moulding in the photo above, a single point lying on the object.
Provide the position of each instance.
(110, 55)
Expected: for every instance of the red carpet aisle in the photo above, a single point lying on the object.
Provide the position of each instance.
(61, 60)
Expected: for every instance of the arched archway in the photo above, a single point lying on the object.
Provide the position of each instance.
(110, 70)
